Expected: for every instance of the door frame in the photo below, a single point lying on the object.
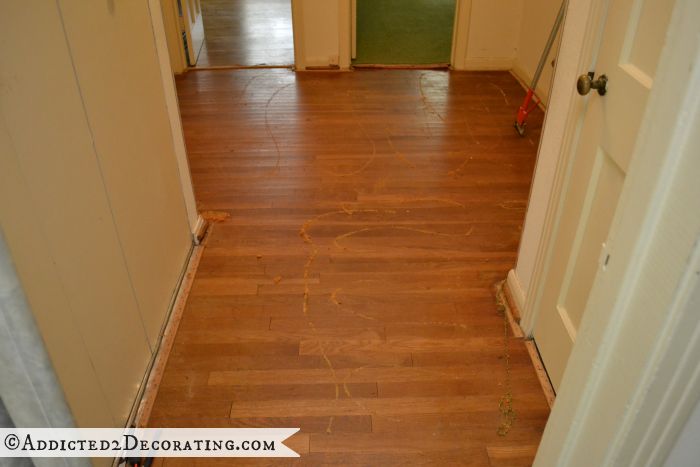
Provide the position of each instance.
(171, 23)
(176, 48)
(298, 34)
(629, 386)
(195, 221)
(348, 19)
(460, 34)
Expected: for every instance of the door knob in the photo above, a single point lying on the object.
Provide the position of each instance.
(586, 82)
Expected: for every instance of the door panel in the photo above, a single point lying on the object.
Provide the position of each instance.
(645, 37)
(632, 41)
(607, 179)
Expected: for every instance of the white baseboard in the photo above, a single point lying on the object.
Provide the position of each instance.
(319, 62)
(516, 290)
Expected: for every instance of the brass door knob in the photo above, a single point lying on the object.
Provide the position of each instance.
(586, 82)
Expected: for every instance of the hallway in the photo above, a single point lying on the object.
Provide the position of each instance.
(349, 291)
(247, 33)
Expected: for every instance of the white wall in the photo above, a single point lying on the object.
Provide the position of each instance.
(492, 37)
(537, 20)
(321, 31)
(90, 197)
(126, 106)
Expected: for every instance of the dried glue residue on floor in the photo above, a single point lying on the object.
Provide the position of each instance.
(304, 233)
(394, 227)
(505, 403)
(215, 216)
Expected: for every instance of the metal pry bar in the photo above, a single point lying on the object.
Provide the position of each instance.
(531, 100)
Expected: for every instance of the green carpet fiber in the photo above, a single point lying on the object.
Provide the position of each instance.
(406, 32)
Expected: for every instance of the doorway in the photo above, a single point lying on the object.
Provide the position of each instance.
(243, 33)
(403, 32)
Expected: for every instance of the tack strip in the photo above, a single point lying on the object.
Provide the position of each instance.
(532, 351)
(166, 343)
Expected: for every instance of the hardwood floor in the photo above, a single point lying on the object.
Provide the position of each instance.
(247, 32)
(350, 292)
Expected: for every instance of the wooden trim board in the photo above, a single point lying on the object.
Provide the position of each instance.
(541, 371)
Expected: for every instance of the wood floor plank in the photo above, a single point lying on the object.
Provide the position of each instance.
(315, 346)
(381, 375)
(350, 291)
(479, 425)
(470, 457)
(520, 455)
(307, 424)
(372, 406)
(391, 442)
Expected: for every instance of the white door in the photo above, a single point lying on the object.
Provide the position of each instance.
(194, 28)
(633, 36)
